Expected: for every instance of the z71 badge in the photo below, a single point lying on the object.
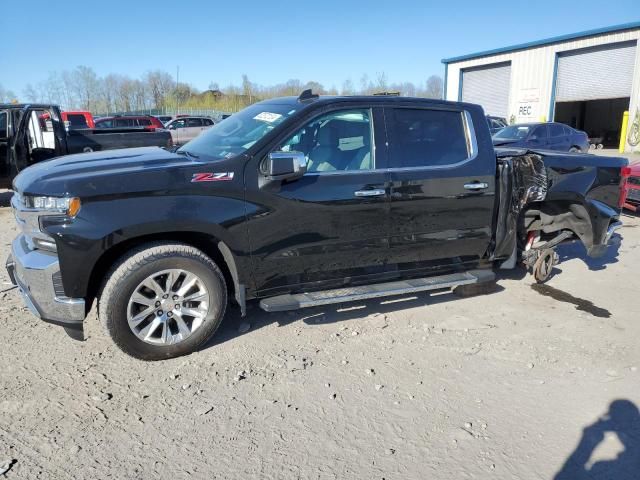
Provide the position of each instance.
(212, 177)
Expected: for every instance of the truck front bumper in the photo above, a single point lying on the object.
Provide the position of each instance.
(36, 273)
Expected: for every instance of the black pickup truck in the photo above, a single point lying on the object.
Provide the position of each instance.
(35, 132)
(296, 202)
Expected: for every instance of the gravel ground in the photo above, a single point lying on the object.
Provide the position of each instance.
(524, 383)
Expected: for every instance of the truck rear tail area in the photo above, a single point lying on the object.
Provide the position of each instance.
(547, 198)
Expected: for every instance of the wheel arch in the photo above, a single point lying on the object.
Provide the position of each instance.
(210, 245)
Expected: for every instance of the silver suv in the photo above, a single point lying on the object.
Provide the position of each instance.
(184, 129)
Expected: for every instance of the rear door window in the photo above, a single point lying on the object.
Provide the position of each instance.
(123, 122)
(556, 130)
(194, 122)
(144, 122)
(426, 137)
(540, 131)
(77, 121)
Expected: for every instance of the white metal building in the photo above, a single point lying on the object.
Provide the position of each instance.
(586, 80)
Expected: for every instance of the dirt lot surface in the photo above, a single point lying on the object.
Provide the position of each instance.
(503, 386)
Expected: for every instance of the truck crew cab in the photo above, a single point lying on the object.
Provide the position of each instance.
(295, 202)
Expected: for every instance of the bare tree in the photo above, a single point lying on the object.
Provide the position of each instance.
(434, 87)
(247, 88)
(30, 93)
(381, 82)
(347, 87)
(6, 96)
(85, 86)
(159, 85)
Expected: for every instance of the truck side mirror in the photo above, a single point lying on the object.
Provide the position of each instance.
(286, 165)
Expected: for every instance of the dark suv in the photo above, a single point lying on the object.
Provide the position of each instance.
(123, 121)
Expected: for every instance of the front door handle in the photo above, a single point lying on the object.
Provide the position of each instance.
(377, 192)
(476, 186)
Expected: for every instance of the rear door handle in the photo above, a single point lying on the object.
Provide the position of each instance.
(476, 186)
(377, 192)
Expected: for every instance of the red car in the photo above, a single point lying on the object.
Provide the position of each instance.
(147, 121)
(77, 119)
(633, 188)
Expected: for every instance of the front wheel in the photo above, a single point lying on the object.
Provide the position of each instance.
(163, 300)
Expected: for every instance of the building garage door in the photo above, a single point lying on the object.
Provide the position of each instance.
(596, 73)
(488, 86)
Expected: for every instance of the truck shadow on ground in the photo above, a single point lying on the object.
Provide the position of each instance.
(335, 313)
(573, 250)
(623, 420)
(341, 312)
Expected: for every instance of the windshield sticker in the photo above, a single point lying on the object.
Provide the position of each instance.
(212, 177)
(267, 117)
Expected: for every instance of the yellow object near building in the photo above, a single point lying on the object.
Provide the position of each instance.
(623, 131)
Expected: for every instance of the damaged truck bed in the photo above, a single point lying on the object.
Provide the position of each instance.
(546, 198)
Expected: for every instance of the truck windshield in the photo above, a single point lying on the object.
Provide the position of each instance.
(235, 134)
(514, 132)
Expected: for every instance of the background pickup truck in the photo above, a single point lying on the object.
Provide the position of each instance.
(32, 133)
(296, 202)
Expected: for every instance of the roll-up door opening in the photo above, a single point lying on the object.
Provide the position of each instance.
(593, 90)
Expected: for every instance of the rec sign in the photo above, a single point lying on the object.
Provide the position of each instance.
(525, 110)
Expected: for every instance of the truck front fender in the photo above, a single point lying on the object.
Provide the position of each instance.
(106, 226)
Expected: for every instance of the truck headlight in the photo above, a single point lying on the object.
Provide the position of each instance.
(64, 205)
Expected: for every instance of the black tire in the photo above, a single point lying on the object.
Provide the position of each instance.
(575, 150)
(137, 265)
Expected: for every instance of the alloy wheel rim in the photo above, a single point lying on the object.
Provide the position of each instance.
(167, 307)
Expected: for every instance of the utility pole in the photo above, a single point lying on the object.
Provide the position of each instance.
(177, 89)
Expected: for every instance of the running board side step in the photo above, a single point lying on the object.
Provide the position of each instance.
(283, 303)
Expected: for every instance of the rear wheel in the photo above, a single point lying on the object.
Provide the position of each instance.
(163, 300)
(574, 149)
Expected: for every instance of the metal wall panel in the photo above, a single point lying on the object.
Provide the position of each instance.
(596, 73)
(488, 86)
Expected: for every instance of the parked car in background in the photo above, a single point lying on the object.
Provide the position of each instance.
(548, 136)
(632, 201)
(496, 124)
(36, 132)
(184, 129)
(75, 120)
(125, 121)
(164, 118)
(78, 119)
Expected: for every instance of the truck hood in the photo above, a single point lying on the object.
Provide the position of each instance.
(88, 174)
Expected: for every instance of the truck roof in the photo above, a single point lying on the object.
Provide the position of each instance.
(386, 99)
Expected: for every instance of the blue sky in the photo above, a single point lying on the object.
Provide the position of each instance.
(271, 42)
